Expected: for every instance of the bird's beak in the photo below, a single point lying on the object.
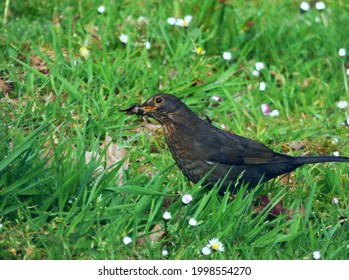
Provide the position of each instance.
(146, 109)
(139, 109)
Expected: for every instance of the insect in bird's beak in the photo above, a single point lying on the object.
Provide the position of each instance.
(133, 110)
(138, 110)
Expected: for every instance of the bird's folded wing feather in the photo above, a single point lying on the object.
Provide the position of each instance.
(223, 147)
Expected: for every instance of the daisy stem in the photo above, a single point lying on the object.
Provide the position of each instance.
(166, 232)
(345, 77)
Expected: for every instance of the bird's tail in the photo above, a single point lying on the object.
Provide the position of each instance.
(318, 159)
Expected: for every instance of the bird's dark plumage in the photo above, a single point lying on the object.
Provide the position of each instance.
(201, 149)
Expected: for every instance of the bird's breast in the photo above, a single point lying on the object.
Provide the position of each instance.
(181, 145)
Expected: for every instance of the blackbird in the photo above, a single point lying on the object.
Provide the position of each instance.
(203, 150)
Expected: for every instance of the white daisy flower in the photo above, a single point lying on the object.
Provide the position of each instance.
(215, 245)
(147, 45)
(274, 113)
(193, 222)
(167, 216)
(259, 66)
(342, 52)
(262, 86)
(199, 51)
(304, 6)
(127, 240)
(320, 6)
(164, 253)
(342, 104)
(255, 73)
(227, 56)
(206, 251)
(171, 21)
(101, 9)
(215, 98)
(187, 198)
(265, 109)
(184, 22)
(317, 255)
(123, 38)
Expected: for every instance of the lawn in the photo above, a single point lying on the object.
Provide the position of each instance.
(81, 180)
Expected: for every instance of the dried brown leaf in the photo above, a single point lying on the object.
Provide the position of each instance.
(277, 210)
(3, 87)
(297, 145)
(39, 64)
(114, 154)
(157, 234)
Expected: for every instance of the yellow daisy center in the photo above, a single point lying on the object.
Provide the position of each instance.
(200, 50)
(215, 246)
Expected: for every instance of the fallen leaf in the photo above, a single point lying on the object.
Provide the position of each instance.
(297, 145)
(277, 210)
(155, 236)
(3, 87)
(89, 156)
(39, 64)
(113, 155)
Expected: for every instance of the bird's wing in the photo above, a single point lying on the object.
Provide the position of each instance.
(226, 148)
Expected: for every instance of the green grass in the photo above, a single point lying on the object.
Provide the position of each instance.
(59, 105)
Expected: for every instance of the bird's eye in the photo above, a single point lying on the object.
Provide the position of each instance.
(158, 100)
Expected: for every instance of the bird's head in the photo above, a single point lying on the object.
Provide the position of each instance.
(162, 107)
